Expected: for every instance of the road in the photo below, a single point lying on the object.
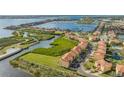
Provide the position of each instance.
(81, 70)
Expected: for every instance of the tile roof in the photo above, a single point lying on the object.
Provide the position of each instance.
(101, 42)
(120, 68)
(101, 51)
(98, 56)
(103, 65)
(67, 57)
(76, 50)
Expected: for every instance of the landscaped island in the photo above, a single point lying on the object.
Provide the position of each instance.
(86, 20)
(24, 38)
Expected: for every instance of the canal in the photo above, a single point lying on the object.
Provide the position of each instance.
(6, 70)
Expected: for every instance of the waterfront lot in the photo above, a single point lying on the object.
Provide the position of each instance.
(45, 61)
(23, 38)
(41, 59)
(59, 47)
(42, 65)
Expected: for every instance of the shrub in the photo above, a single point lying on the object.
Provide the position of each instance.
(60, 46)
(89, 65)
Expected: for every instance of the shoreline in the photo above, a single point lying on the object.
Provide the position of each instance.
(10, 54)
(20, 50)
(14, 27)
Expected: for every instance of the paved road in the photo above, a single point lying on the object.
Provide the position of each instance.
(81, 69)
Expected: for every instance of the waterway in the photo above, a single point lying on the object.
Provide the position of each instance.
(70, 25)
(6, 70)
(8, 22)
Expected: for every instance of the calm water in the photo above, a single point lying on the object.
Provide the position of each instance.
(7, 22)
(9, 51)
(71, 25)
(62, 25)
(6, 70)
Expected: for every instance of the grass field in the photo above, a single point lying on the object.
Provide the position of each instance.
(60, 46)
(41, 59)
(50, 61)
(45, 61)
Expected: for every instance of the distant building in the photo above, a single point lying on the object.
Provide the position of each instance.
(101, 51)
(93, 38)
(98, 56)
(83, 45)
(103, 66)
(120, 69)
(96, 33)
(101, 43)
(111, 34)
(102, 47)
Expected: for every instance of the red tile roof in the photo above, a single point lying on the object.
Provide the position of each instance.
(102, 48)
(82, 45)
(98, 56)
(70, 56)
(67, 57)
(101, 51)
(120, 68)
(103, 65)
(101, 42)
(76, 50)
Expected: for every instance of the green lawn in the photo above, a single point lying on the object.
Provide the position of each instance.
(60, 46)
(41, 59)
(52, 62)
